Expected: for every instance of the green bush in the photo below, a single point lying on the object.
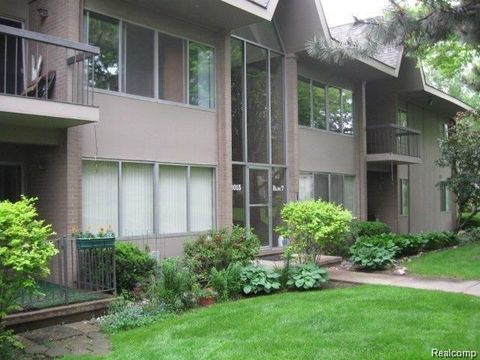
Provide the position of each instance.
(174, 285)
(227, 282)
(439, 240)
(134, 267)
(10, 347)
(314, 226)
(470, 235)
(258, 279)
(368, 228)
(370, 256)
(25, 251)
(220, 248)
(307, 276)
(474, 222)
(408, 244)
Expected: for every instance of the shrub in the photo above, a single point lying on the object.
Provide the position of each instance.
(258, 279)
(10, 347)
(227, 282)
(314, 226)
(25, 251)
(368, 228)
(371, 257)
(474, 222)
(438, 240)
(174, 285)
(133, 266)
(408, 244)
(220, 248)
(307, 276)
(470, 235)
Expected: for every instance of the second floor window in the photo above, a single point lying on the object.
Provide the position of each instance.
(324, 107)
(142, 61)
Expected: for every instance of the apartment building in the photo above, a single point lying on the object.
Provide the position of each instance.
(163, 119)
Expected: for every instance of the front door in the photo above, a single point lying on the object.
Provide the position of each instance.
(10, 182)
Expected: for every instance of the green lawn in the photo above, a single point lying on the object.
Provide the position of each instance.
(460, 263)
(365, 322)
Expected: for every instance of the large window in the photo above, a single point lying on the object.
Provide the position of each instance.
(404, 197)
(132, 200)
(336, 188)
(179, 70)
(324, 107)
(258, 136)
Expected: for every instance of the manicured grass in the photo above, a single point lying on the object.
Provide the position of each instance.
(462, 262)
(365, 322)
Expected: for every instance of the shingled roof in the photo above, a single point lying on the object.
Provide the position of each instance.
(388, 55)
(262, 3)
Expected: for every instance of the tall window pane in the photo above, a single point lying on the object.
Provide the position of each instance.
(258, 186)
(173, 199)
(276, 98)
(100, 195)
(138, 60)
(306, 187)
(336, 189)
(321, 187)
(347, 113)
(279, 192)
(304, 102)
(237, 99)
(257, 108)
(334, 110)
(171, 68)
(104, 33)
(238, 189)
(349, 193)
(200, 65)
(137, 199)
(445, 199)
(404, 197)
(201, 199)
(319, 116)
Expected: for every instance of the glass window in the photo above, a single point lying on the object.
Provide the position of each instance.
(104, 33)
(334, 110)
(279, 195)
(258, 186)
(349, 193)
(276, 99)
(137, 199)
(306, 187)
(257, 107)
(336, 189)
(347, 111)
(138, 60)
(173, 199)
(100, 195)
(259, 222)
(263, 33)
(319, 116)
(445, 198)
(201, 199)
(321, 187)
(171, 68)
(404, 197)
(238, 189)
(402, 119)
(237, 99)
(201, 83)
(304, 102)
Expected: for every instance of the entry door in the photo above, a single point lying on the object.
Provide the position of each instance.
(10, 182)
(259, 203)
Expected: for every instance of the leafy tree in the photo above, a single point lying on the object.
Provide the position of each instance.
(461, 152)
(25, 251)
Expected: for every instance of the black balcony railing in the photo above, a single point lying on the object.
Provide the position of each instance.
(392, 139)
(46, 67)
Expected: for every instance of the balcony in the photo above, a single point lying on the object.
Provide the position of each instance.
(392, 143)
(45, 81)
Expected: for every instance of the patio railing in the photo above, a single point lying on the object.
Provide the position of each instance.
(392, 139)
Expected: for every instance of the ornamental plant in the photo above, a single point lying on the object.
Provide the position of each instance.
(313, 226)
(25, 251)
(258, 279)
(307, 276)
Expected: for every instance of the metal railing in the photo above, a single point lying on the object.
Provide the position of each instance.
(46, 67)
(392, 139)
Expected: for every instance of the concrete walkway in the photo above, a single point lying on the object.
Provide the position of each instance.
(453, 286)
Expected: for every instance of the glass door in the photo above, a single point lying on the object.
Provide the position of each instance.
(259, 203)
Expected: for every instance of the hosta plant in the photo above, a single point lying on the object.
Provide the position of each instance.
(307, 276)
(371, 257)
(258, 279)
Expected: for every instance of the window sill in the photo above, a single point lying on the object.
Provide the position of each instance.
(158, 101)
(326, 131)
(160, 236)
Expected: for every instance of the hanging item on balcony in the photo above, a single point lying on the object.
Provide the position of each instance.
(41, 85)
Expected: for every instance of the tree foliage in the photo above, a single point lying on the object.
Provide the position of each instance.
(460, 151)
(25, 251)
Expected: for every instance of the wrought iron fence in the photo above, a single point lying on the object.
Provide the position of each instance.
(46, 67)
(392, 138)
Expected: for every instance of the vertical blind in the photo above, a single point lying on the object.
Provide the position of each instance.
(173, 199)
(201, 199)
(100, 195)
(306, 187)
(137, 199)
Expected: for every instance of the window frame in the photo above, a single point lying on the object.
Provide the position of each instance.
(156, 199)
(121, 76)
(326, 88)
